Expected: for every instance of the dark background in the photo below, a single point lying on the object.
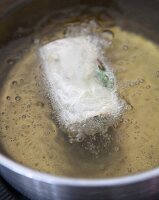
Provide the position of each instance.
(8, 193)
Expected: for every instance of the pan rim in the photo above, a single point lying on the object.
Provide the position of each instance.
(76, 182)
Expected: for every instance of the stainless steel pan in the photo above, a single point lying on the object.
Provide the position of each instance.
(37, 185)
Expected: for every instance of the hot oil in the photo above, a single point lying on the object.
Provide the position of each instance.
(28, 133)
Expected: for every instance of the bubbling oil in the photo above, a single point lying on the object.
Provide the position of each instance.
(28, 133)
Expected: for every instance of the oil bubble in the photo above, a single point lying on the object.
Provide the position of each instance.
(14, 83)
(129, 107)
(23, 116)
(8, 97)
(10, 61)
(6, 127)
(40, 104)
(21, 81)
(108, 35)
(17, 98)
(125, 47)
(157, 74)
(141, 80)
(116, 148)
(148, 86)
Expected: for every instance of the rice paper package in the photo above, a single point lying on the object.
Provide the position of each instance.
(81, 86)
